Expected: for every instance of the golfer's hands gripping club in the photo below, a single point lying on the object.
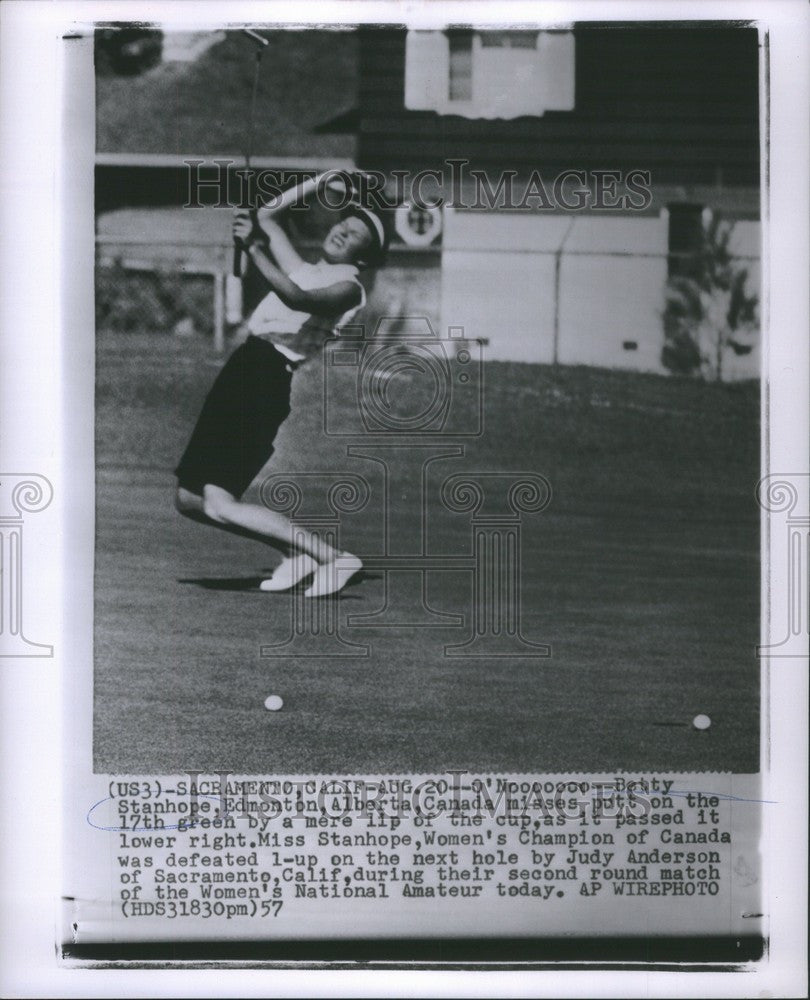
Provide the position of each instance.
(246, 231)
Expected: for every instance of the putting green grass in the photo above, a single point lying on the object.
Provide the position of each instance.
(642, 574)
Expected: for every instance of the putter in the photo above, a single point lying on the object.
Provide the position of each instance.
(263, 43)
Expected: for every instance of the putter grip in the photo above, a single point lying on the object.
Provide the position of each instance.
(239, 247)
(238, 250)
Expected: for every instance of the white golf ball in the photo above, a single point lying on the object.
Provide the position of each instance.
(701, 722)
(273, 703)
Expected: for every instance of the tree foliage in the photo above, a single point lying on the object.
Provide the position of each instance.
(709, 312)
(127, 51)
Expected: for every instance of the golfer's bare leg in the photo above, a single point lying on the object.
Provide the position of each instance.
(191, 505)
(223, 508)
(310, 554)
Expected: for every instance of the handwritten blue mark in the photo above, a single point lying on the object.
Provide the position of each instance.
(185, 824)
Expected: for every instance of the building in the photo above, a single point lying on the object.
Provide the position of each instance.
(576, 286)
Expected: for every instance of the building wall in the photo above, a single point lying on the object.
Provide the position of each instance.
(681, 102)
(569, 288)
(612, 280)
(498, 281)
(581, 290)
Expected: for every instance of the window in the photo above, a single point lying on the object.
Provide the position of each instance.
(461, 67)
(685, 238)
(489, 74)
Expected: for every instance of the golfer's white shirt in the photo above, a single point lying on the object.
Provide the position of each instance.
(299, 335)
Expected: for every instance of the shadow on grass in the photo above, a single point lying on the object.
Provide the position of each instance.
(250, 584)
(246, 583)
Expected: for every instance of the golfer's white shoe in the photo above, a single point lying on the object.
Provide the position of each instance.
(289, 572)
(333, 576)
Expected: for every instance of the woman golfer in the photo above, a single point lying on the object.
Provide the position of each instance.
(250, 399)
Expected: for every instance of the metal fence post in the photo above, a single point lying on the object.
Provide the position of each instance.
(558, 255)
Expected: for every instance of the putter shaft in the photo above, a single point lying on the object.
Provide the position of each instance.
(256, 37)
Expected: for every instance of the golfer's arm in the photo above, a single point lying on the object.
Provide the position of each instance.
(329, 301)
(280, 245)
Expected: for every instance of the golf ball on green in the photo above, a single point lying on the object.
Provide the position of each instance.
(273, 703)
(701, 722)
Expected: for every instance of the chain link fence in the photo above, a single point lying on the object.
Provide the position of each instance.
(154, 288)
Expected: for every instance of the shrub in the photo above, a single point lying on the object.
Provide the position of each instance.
(710, 311)
(127, 51)
(129, 301)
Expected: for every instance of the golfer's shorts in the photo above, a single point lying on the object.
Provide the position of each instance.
(241, 415)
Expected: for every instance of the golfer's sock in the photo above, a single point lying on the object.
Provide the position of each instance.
(333, 576)
(290, 571)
